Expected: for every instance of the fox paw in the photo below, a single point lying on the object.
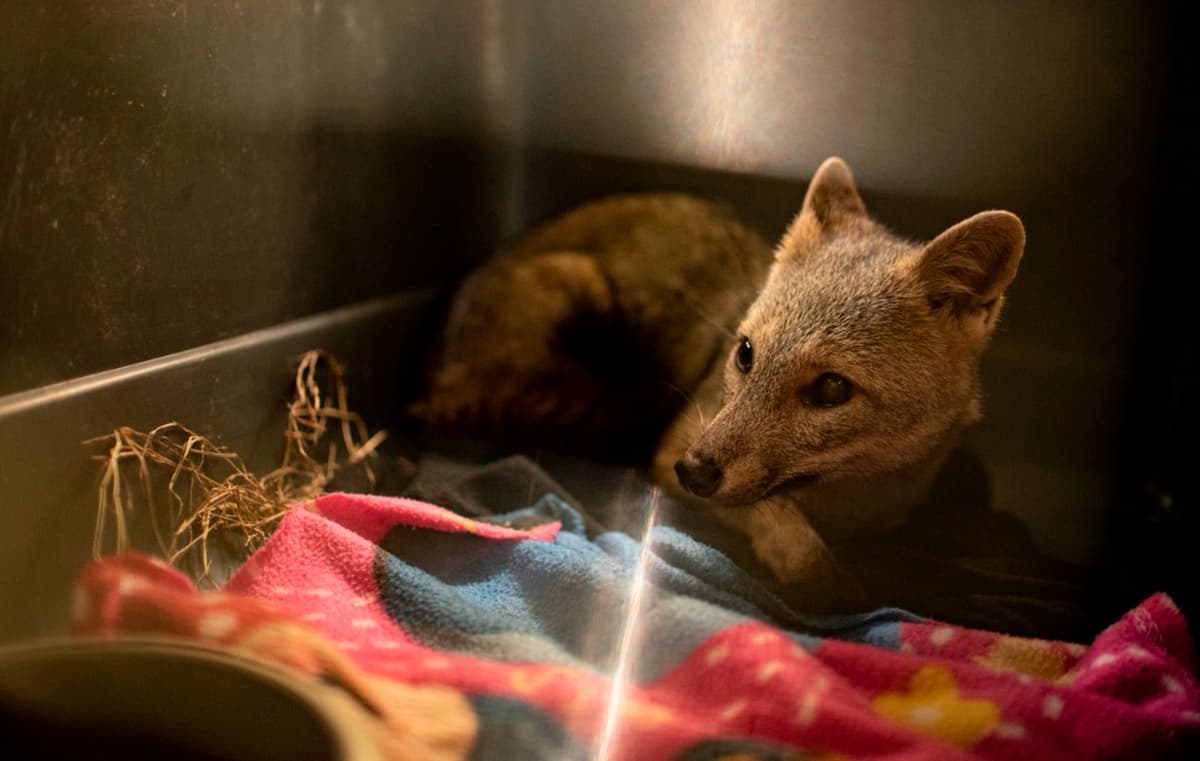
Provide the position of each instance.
(790, 560)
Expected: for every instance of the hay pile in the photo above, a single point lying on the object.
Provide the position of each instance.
(211, 494)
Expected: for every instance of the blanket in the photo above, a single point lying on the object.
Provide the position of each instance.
(520, 637)
(955, 559)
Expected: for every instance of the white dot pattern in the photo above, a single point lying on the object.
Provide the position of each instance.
(1052, 707)
(216, 625)
(716, 655)
(941, 635)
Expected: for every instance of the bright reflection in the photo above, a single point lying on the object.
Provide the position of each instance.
(627, 643)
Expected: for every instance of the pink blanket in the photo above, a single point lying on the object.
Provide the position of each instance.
(543, 643)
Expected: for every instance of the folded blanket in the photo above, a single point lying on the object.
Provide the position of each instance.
(519, 637)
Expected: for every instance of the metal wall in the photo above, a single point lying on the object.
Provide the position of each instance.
(175, 172)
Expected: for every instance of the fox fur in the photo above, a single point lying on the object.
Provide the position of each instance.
(898, 326)
(592, 330)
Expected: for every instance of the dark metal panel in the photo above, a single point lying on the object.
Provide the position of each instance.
(979, 100)
(176, 172)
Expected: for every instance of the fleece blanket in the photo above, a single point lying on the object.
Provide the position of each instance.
(955, 558)
(520, 637)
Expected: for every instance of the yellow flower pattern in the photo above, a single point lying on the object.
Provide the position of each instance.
(934, 706)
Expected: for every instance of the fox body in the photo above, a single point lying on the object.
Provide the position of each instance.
(591, 330)
(826, 381)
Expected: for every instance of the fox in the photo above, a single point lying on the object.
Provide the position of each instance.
(824, 381)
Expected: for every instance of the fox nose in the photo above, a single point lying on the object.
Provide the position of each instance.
(698, 475)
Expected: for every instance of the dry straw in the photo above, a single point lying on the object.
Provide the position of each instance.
(210, 494)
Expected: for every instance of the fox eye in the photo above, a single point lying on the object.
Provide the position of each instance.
(743, 358)
(831, 390)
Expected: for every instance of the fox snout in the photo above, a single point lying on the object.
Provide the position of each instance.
(699, 476)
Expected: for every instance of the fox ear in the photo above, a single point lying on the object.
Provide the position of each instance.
(832, 200)
(967, 268)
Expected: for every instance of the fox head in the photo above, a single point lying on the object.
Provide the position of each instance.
(860, 357)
